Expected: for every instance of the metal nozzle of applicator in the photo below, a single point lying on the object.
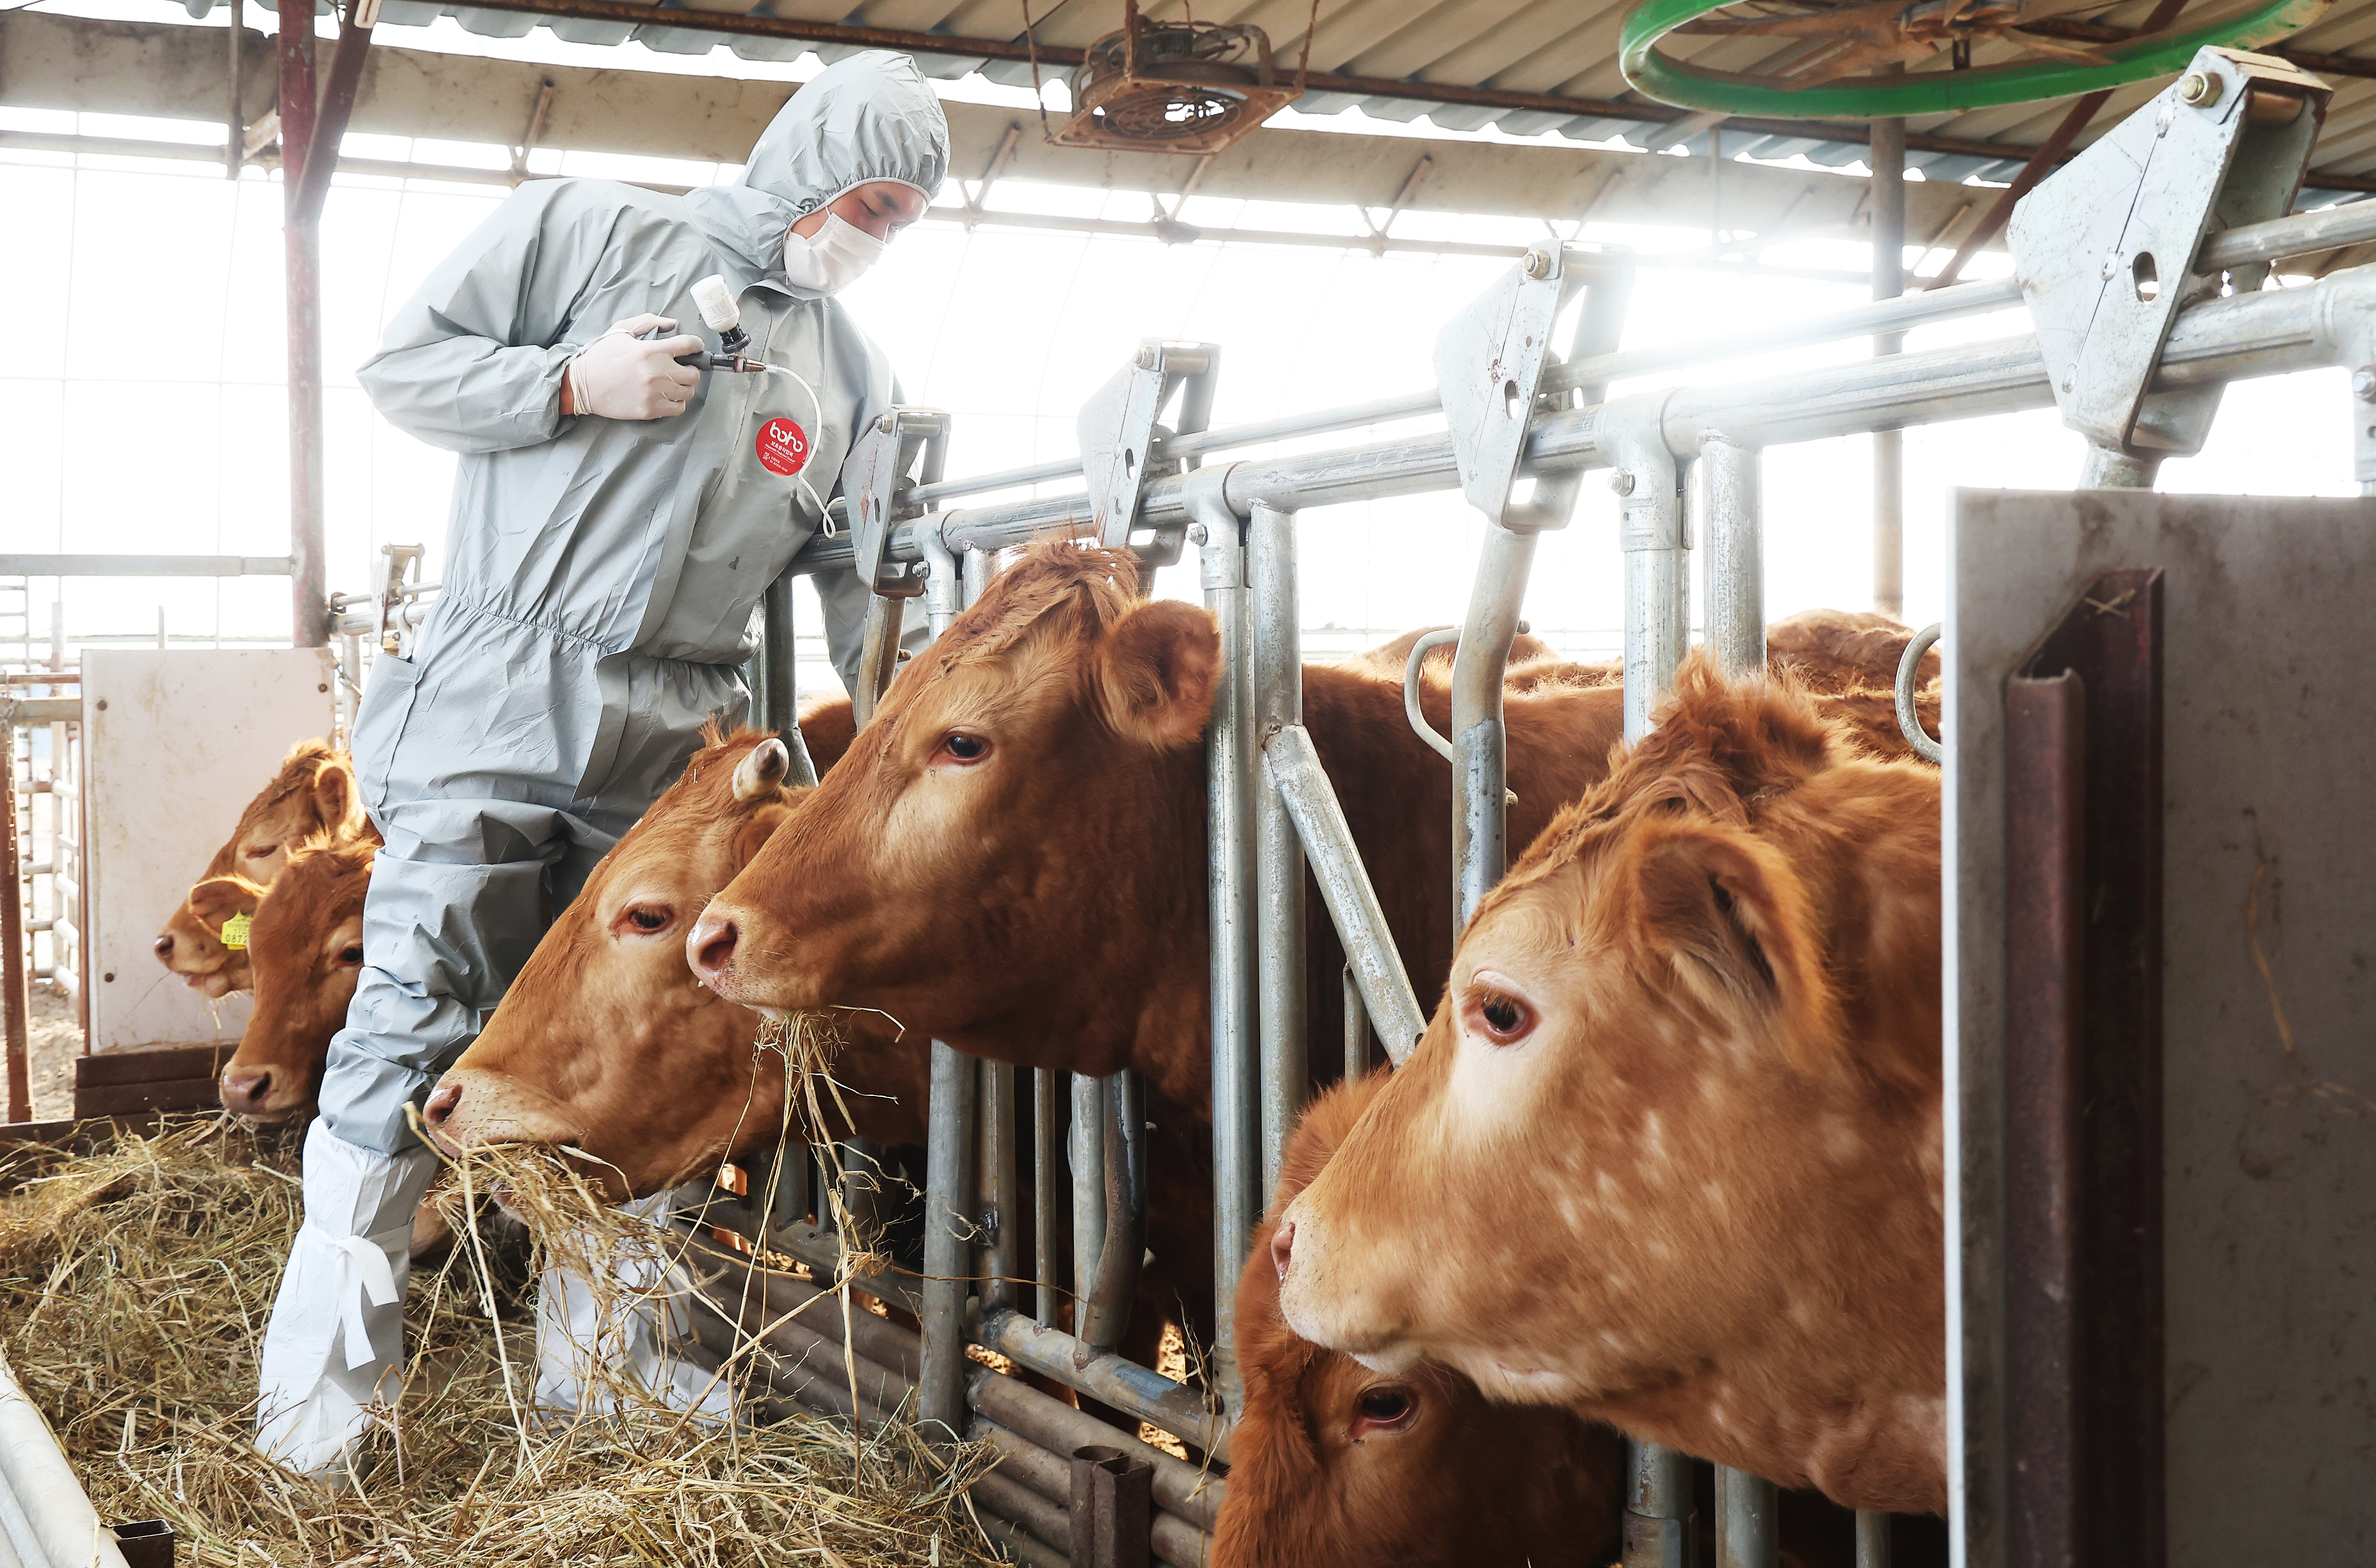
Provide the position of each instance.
(720, 313)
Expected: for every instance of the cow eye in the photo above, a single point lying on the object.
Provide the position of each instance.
(260, 851)
(647, 918)
(351, 956)
(962, 748)
(1500, 1016)
(1386, 1407)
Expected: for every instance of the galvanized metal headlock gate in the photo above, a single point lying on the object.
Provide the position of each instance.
(2120, 257)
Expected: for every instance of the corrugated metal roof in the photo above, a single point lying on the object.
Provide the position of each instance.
(1526, 65)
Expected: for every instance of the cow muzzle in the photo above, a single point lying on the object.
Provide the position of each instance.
(265, 1094)
(471, 1108)
(1327, 1301)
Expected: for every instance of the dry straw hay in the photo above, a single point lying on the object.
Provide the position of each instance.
(135, 1283)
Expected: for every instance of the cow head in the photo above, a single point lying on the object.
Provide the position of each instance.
(1335, 1466)
(606, 1043)
(1670, 1151)
(198, 932)
(312, 794)
(925, 877)
(306, 952)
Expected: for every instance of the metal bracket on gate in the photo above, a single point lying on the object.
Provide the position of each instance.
(2105, 248)
(1121, 442)
(1488, 367)
(879, 489)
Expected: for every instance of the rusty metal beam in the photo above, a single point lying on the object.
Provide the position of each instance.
(2085, 1390)
(338, 106)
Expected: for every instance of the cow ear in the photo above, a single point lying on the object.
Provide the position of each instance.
(218, 899)
(1736, 923)
(334, 793)
(1154, 671)
(761, 772)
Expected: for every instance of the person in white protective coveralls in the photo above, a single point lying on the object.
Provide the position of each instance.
(616, 516)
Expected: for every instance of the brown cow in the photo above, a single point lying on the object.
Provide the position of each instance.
(1334, 1466)
(606, 1044)
(1671, 1149)
(1391, 662)
(313, 793)
(304, 952)
(1013, 861)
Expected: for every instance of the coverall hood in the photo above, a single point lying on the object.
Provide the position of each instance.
(872, 116)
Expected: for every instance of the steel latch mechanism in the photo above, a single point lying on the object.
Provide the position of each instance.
(2105, 249)
(1122, 445)
(1489, 369)
(400, 566)
(879, 489)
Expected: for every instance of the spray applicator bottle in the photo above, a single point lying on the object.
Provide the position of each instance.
(721, 315)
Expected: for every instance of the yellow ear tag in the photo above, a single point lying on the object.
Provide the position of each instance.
(235, 931)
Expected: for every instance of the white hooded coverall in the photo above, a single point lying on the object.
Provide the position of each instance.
(599, 582)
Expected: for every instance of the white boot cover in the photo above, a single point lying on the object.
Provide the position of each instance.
(336, 1332)
(631, 1340)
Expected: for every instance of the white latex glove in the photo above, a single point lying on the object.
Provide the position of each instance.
(633, 1338)
(620, 377)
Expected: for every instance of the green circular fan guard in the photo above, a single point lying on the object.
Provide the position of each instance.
(1839, 73)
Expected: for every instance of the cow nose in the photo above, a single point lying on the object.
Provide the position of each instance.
(442, 1104)
(710, 945)
(1282, 1247)
(244, 1088)
(164, 946)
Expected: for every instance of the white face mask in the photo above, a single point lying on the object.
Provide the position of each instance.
(833, 258)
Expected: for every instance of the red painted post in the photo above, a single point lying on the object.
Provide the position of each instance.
(309, 590)
(12, 935)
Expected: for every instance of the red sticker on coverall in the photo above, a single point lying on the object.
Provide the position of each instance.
(784, 446)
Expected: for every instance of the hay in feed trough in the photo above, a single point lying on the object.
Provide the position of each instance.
(135, 1283)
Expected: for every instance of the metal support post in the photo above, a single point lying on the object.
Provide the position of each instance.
(300, 235)
(1114, 1282)
(949, 1228)
(1650, 531)
(862, 1193)
(1657, 1507)
(235, 140)
(998, 1185)
(1734, 538)
(776, 706)
(2103, 468)
(1111, 1513)
(1357, 1028)
(1888, 162)
(1480, 849)
(12, 929)
(1230, 905)
(1871, 1540)
(1277, 661)
(2363, 414)
(1087, 1145)
(878, 654)
(1746, 1532)
(1049, 1234)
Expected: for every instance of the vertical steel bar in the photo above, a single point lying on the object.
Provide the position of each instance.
(2102, 468)
(1230, 913)
(999, 1192)
(1480, 849)
(1088, 1161)
(1745, 1530)
(300, 236)
(1357, 1028)
(1729, 495)
(1050, 1221)
(2045, 749)
(1282, 1005)
(1112, 1511)
(878, 654)
(235, 143)
(1650, 532)
(1122, 1247)
(977, 564)
(12, 931)
(1887, 160)
(1657, 1507)
(778, 694)
(1871, 1540)
(861, 1192)
(948, 1203)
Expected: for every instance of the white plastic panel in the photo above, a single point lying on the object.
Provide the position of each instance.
(176, 743)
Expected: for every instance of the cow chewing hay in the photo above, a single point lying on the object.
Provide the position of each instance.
(133, 1286)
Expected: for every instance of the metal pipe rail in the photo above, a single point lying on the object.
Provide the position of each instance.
(2269, 333)
(2354, 223)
